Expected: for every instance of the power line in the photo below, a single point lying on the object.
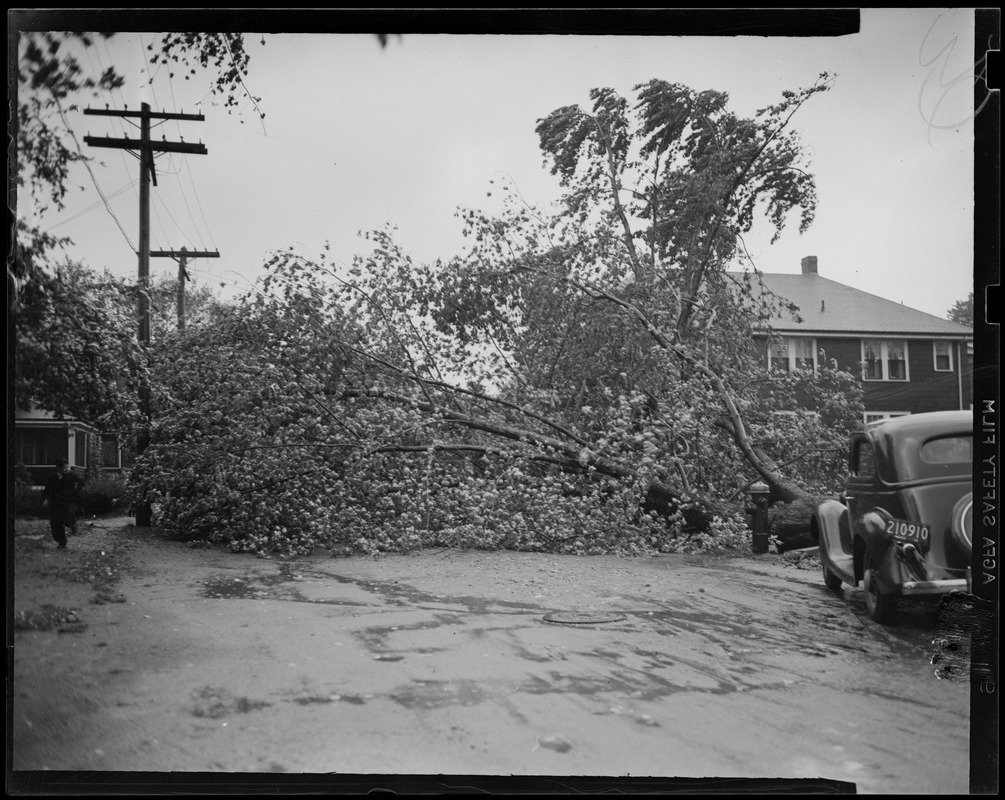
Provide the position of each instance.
(145, 148)
(93, 206)
(199, 202)
(170, 215)
(177, 171)
(94, 180)
(116, 90)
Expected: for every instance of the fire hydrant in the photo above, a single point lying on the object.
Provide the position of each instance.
(759, 516)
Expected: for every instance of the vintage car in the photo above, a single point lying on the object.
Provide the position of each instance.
(903, 525)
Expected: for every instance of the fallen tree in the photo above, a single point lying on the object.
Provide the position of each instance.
(586, 379)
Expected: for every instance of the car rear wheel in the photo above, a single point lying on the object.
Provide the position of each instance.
(880, 606)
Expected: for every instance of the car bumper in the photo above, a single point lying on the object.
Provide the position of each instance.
(915, 588)
(919, 577)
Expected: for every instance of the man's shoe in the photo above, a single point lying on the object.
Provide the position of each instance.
(60, 546)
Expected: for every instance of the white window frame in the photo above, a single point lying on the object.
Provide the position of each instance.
(799, 413)
(790, 341)
(117, 466)
(80, 448)
(884, 347)
(935, 355)
(879, 416)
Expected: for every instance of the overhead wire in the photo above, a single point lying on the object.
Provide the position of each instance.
(176, 172)
(119, 122)
(188, 206)
(85, 161)
(195, 193)
(96, 58)
(167, 211)
(198, 201)
(93, 206)
(161, 236)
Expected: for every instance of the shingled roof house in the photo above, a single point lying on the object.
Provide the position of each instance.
(41, 437)
(910, 361)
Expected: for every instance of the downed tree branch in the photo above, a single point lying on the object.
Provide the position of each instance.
(785, 489)
(658, 496)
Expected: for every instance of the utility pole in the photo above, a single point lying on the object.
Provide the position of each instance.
(144, 148)
(183, 256)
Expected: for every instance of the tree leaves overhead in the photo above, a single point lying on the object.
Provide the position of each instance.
(50, 79)
(76, 353)
(962, 311)
(683, 174)
(664, 110)
(223, 54)
(626, 291)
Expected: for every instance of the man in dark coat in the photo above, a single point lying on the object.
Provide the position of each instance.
(62, 496)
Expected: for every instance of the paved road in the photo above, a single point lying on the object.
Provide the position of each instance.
(444, 662)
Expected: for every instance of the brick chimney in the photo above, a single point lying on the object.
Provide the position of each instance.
(809, 265)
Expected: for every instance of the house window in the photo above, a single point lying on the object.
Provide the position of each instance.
(80, 449)
(879, 416)
(801, 413)
(40, 446)
(792, 353)
(884, 360)
(111, 453)
(943, 353)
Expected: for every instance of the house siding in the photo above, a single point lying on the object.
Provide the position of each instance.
(926, 389)
(840, 317)
(40, 438)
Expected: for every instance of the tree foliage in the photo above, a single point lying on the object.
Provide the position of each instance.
(583, 380)
(320, 413)
(681, 179)
(74, 327)
(50, 79)
(76, 354)
(580, 380)
(963, 311)
(628, 286)
(201, 306)
(222, 54)
(52, 83)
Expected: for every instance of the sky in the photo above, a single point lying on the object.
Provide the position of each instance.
(357, 136)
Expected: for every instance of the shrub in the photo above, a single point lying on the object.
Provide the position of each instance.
(103, 494)
(789, 523)
(27, 501)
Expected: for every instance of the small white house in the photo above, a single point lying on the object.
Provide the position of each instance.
(40, 438)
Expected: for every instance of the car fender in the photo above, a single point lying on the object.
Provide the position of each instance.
(829, 527)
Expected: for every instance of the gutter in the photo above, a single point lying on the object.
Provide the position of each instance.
(961, 348)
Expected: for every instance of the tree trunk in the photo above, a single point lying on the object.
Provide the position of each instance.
(780, 489)
(665, 502)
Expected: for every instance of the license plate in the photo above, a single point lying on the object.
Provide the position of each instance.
(904, 531)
